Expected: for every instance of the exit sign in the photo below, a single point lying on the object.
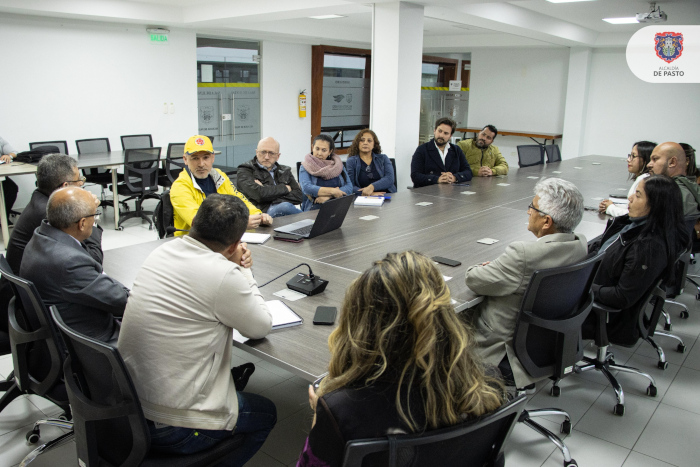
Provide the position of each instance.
(159, 38)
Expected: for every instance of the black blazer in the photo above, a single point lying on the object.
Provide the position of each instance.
(426, 165)
(271, 192)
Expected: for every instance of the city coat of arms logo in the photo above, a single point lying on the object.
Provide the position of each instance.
(668, 45)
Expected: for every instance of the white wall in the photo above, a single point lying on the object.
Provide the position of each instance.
(285, 70)
(69, 80)
(623, 109)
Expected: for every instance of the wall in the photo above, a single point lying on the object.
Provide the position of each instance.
(69, 80)
(285, 71)
(518, 89)
(623, 109)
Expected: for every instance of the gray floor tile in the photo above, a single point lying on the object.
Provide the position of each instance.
(683, 392)
(20, 412)
(640, 460)
(260, 459)
(262, 380)
(693, 358)
(287, 438)
(13, 445)
(527, 448)
(289, 398)
(624, 431)
(671, 436)
(46, 406)
(669, 346)
(64, 455)
(589, 451)
(245, 355)
(274, 369)
(637, 385)
(577, 396)
(5, 365)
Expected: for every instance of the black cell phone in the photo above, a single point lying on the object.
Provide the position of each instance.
(325, 315)
(447, 261)
(288, 237)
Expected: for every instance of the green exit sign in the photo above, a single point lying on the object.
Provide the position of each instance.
(159, 38)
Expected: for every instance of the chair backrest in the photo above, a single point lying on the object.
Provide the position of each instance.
(141, 170)
(37, 350)
(61, 145)
(92, 146)
(109, 425)
(298, 167)
(553, 153)
(164, 215)
(174, 163)
(547, 338)
(530, 154)
(136, 141)
(396, 175)
(477, 442)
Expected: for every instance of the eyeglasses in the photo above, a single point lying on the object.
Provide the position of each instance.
(266, 153)
(535, 209)
(632, 156)
(82, 179)
(97, 213)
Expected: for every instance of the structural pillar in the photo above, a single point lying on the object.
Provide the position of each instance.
(576, 102)
(397, 57)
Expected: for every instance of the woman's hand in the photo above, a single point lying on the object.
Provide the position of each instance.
(338, 193)
(321, 199)
(368, 190)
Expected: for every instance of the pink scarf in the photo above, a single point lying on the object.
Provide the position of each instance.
(325, 169)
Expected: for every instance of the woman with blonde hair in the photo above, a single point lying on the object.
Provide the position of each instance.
(401, 361)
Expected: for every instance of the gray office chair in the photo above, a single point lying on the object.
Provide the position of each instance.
(136, 141)
(98, 175)
(140, 181)
(61, 145)
(172, 165)
(553, 154)
(530, 154)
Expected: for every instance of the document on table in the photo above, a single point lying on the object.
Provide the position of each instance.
(369, 201)
(255, 238)
(282, 315)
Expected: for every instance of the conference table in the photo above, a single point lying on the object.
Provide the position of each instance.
(450, 226)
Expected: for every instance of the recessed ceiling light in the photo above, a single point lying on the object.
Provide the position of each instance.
(326, 16)
(630, 20)
(568, 1)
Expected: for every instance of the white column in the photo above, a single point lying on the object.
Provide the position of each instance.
(576, 102)
(397, 56)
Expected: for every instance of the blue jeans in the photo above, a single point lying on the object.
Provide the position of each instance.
(282, 209)
(257, 416)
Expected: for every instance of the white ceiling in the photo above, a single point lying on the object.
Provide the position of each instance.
(449, 26)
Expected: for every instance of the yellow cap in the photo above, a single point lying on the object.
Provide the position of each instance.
(198, 143)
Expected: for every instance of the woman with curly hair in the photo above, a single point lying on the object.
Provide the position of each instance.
(402, 361)
(370, 171)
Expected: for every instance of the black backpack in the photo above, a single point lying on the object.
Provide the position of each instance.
(35, 155)
(163, 216)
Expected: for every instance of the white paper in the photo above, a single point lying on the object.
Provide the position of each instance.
(369, 201)
(238, 337)
(487, 241)
(255, 238)
(579, 168)
(533, 177)
(595, 163)
(556, 171)
(597, 199)
(424, 203)
(621, 189)
(289, 294)
(447, 278)
(368, 218)
(469, 192)
(503, 184)
(281, 313)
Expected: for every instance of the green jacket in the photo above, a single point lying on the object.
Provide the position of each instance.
(490, 157)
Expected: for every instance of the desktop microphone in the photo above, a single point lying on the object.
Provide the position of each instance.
(308, 284)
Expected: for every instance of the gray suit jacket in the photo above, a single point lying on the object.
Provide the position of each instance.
(67, 276)
(503, 283)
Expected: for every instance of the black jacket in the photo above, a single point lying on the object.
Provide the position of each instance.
(426, 164)
(269, 193)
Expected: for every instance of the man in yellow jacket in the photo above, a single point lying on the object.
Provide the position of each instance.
(200, 179)
(484, 158)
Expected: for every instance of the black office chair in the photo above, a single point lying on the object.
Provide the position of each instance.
(140, 181)
(530, 154)
(477, 442)
(98, 175)
(61, 145)
(110, 428)
(163, 216)
(136, 141)
(37, 352)
(646, 315)
(553, 153)
(298, 167)
(396, 175)
(547, 339)
(172, 165)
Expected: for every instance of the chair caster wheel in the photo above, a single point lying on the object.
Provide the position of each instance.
(566, 427)
(150, 227)
(619, 409)
(668, 327)
(681, 348)
(63, 417)
(571, 463)
(662, 365)
(555, 391)
(120, 228)
(32, 437)
(684, 314)
(651, 391)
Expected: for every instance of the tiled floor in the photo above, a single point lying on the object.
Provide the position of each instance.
(654, 432)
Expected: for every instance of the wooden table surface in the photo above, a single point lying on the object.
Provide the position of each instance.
(449, 227)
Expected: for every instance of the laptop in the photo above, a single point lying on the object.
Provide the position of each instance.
(330, 217)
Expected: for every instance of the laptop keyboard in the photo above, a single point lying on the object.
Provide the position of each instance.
(303, 231)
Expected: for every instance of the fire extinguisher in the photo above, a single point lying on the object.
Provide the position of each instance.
(302, 104)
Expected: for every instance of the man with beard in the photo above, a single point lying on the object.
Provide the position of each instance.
(438, 161)
(484, 158)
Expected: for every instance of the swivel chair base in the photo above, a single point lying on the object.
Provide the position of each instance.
(526, 418)
(604, 362)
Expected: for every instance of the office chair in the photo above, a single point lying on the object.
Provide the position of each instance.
(530, 154)
(553, 153)
(478, 442)
(140, 181)
(110, 428)
(644, 321)
(396, 175)
(298, 167)
(37, 352)
(136, 141)
(98, 175)
(547, 339)
(172, 165)
(61, 145)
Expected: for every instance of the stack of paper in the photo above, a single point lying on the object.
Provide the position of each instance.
(369, 201)
(255, 238)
